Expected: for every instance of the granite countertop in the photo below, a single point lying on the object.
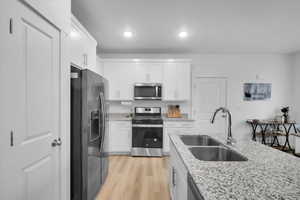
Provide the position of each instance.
(269, 174)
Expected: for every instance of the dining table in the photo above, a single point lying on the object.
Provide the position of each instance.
(264, 125)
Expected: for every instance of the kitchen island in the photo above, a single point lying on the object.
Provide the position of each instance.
(268, 174)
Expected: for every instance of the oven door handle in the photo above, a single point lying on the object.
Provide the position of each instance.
(147, 125)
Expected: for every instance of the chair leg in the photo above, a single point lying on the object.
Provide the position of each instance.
(273, 142)
(275, 139)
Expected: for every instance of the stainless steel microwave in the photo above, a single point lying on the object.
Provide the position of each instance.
(147, 91)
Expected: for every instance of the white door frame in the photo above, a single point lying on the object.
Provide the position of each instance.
(65, 113)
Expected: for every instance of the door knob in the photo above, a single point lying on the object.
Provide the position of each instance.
(56, 142)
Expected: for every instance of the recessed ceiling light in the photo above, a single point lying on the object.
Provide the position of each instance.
(127, 34)
(171, 60)
(183, 34)
(136, 60)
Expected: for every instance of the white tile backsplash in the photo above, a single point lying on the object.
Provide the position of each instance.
(128, 106)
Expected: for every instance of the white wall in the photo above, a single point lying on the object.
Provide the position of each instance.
(99, 66)
(296, 84)
(296, 90)
(241, 68)
(117, 107)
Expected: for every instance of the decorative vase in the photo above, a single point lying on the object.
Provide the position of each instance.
(285, 118)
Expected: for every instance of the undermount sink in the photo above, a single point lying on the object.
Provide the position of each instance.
(199, 140)
(216, 154)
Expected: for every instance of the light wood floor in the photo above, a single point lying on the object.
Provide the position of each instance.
(136, 178)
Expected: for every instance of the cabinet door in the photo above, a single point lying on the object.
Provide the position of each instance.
(172, 174)
(89, 53)
(170, 82)
(179, 176)
(166, 146)
(181, 185)
(121, 80)
(148, 72)
(76, 46)
(176, 81)
(183, 82)
(110, 71)
(82, 46)
(119, 137)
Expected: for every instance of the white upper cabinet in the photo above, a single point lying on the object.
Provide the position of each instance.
(177, 81)
(121, 77)
(89, 57)
(82, 46)
(122, 74)
(148, 72)
(76, 46)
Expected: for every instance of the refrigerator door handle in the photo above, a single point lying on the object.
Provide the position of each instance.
(94, 118)
(101, 97)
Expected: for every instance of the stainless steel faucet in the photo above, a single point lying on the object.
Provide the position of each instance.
(230, 140)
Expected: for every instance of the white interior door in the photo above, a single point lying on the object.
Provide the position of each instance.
(208, 95)
(33, 108)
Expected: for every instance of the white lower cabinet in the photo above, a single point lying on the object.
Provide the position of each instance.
(176, 127)
(119, 137)
(177, 176)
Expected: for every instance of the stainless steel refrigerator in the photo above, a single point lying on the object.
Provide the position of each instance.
(89, 158)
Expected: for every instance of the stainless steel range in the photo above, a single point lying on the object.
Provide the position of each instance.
(147, 132)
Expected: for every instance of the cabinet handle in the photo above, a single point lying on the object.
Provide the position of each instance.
(85, 62)
(173, 176)
(11, 138)
(11, 26)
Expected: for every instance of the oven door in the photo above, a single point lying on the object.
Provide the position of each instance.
(147, 92)
(147, 136)
(147, 140)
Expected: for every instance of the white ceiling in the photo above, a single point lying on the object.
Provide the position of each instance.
(215, 26)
